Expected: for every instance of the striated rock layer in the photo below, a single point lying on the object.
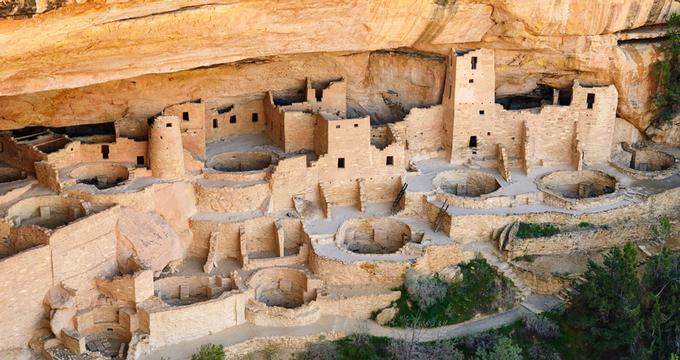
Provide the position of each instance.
(59, 46)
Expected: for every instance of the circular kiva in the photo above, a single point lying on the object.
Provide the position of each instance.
(373, 235)
(466, 183)
(240, 161)
(281, 287)
(583, 184)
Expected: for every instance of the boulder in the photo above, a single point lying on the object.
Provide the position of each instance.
(386, 315)
(145, 242)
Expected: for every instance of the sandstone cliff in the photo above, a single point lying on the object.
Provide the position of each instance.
(65, 61)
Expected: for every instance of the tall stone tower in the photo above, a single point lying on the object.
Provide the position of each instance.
(166, 153)
(469, 102)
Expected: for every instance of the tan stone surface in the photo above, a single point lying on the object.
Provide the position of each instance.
(145, 241)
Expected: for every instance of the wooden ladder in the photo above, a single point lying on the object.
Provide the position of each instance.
(397, 200)
(440, 216)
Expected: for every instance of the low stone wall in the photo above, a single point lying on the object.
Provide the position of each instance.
(260, 314)
(437, 257)
(595, 238)
(338, 272)
(219, 196)
(358, 307)
(290, 343)
(255, 175)
(168, 325)
(542, 283)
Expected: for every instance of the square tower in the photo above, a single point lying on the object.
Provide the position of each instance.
(469, 95)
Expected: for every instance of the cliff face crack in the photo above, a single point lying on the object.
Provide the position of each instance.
(175, 11)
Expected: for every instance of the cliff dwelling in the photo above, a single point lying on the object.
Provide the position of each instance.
(289, 191)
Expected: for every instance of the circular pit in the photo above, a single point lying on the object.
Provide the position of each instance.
(466, 183)
(373, 235)
(241, 161)
(585, 184)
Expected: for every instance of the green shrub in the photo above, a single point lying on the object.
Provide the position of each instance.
(481, 290)
(663, 231)
(209, 352)
(530, 230)
(668, 73)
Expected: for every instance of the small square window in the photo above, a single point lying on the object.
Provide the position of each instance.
(232, 119)
(255, 117)
(471, 81)
(185, 116)
(337, 126)
(341, 163)
(389, 161)
(215, 124)
(481, 112)
(168, 125)
(356, 125)
(488, 134)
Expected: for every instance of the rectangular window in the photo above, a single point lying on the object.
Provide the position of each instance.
(185, 116)
(471, 81)
(389, 161)
(473, 142)
(337, 126)
(255, 117)
(232, 119)
(168, 125)
(591, 100)
(481, 112)
(341, 163)
(105, 151)
(474, 63)
(356, 125)
(140, 160)
(215, 124)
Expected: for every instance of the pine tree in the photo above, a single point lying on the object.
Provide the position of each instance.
(606, 306)
(662, 299)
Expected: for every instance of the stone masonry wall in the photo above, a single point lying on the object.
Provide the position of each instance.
(25, 278)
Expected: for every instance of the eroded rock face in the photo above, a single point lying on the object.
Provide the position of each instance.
(145, 242)
(91, 42)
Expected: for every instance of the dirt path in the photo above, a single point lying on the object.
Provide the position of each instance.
(337, 324)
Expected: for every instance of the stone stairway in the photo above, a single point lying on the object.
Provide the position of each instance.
(635, 194)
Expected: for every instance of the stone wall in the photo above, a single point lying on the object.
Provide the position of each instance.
(596, 238)
(168, 325)
(84, 250)
(237, 119)
(25, 278)
(358, 307)
(218, 197)
(338, 272)
(122, 150)
(133, 288)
